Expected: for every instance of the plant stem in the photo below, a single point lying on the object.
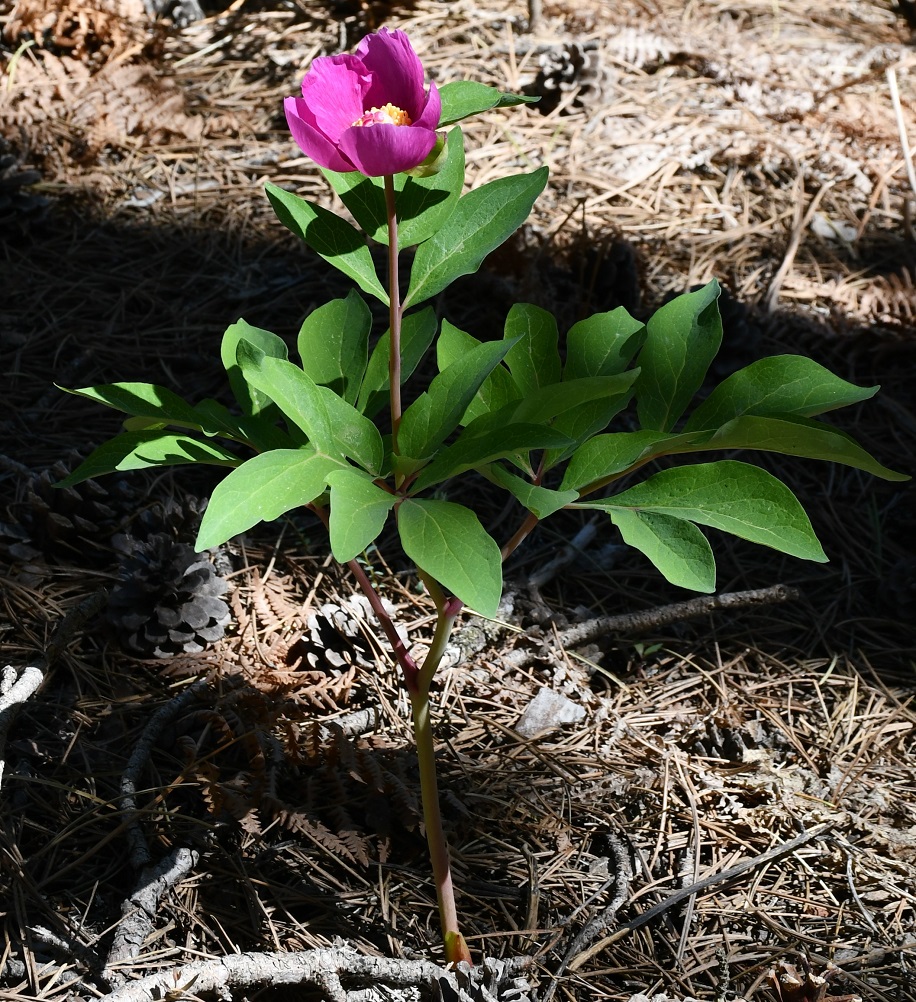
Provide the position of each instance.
(394, 313)
(456, 948)
(528, 526)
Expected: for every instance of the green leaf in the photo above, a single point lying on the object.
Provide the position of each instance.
(603, 344)
(606, 455)
(332, 425)
(463, 98)
(417, 333)
(474, 449)
(479, 223)
(795, 436)
(261, 490)
(334, 345)
(422, 203)
(331, 237)
(137, 450)
(249, 399)
(534, 361)
(735, 497)
(780, 384)
(677, 548)
(542, 501)
(447, 541)
(580, 423)
(436, 413)
(257, 430)
(559, 398)
(150, 402)
(359, 509)
(682, 339)
(495, 392)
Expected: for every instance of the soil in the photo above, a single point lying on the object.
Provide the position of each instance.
(762, 143)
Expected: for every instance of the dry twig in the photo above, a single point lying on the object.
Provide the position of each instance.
(684, 893)
(138, 912)
(632, 622)
(320, 968)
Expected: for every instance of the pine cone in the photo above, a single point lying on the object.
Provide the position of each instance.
(72, 523)
(170, 599)
(336, 636)
(563, 68)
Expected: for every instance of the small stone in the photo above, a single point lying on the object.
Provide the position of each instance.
(546, 712)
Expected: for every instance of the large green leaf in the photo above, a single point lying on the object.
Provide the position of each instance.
(603, 344)
(780, 384)
(331, 237)
(249, 399)
(447, 541)
(263, 489)
(475, 449)
(137, 450)
(605, 456)
(495, 392)
(478, 224)
(682, 339)
(542, 501)
(436, 413)
(463, 98)
(796, 436)
(422, 203)
(333, 426)
(534, 361)
(359, 509)
(334, 345)
(677, 548)
(734, 497)
(417, 333)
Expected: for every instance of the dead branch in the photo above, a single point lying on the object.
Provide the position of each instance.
(620, 881)
(18, 685)
(683, 893)
(138, 912)
(139, 851)
(648, 619)
(322, 969)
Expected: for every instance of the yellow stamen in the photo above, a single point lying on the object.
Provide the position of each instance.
(388, 114)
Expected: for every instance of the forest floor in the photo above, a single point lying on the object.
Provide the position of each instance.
(755, 141)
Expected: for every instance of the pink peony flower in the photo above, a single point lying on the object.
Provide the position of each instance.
(368, 112)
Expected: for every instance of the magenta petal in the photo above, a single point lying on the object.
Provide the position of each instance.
(377, 150)
(312, 142)
(397, 73)
(333, 91)
(432, 112)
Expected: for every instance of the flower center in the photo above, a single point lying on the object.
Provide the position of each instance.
(388, 114)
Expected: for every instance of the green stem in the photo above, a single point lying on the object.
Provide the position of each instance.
(395, 312)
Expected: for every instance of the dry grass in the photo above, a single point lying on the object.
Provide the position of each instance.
(752, 141)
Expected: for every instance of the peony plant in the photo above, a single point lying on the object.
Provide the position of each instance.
(557, 422)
